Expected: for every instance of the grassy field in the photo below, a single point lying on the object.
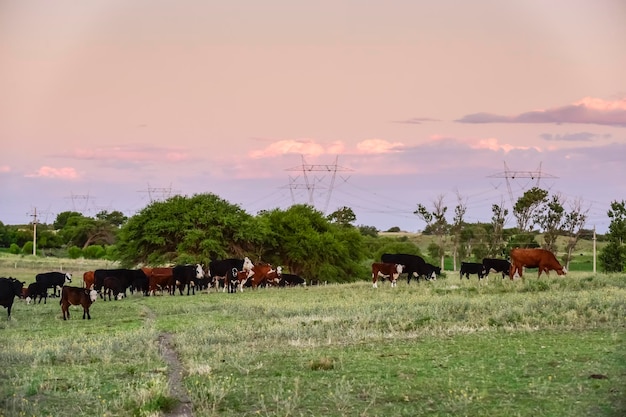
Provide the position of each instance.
(549, 347)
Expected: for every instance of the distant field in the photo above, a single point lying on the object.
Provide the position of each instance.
(549, 347)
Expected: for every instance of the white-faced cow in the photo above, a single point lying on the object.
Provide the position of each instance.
(542, 259)
(385, 271)
(224, 273)
(186, 276)
(9, 289)
(498, 265)
(53, 280)
(77, 296)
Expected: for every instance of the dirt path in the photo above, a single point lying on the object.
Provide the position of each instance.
(175, 378)
(174, 373)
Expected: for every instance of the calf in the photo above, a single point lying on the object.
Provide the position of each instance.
(385, 270)
(468, 268)
(498, 265)
(290, 280)
(413, 265)
(112, 285)
(36, 289)
(9, 289)
(77, 296)
(432, 271)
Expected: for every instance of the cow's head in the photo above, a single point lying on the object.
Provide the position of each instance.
(68, 277)
(247, 264)
(93, 295)
(199, 271)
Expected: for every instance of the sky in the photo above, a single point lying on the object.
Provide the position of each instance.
(374, 105)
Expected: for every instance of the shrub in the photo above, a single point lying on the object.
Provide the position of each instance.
(27, 249)
(74, 252)
(14, 249)
(94, 252)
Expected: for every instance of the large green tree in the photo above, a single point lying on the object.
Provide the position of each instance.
(184, 229)
(306, 243)
(613, 256)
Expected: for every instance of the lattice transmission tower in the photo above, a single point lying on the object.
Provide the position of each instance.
(527, 176)
(311, 183)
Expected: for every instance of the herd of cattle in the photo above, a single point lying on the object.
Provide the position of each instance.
(235, 274)
(392, 265)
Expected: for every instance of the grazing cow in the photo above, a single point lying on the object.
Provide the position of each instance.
(289, 280)
(468, 268)
(53, 280)
(432, 271)
(187, 275)
(126, 277)
(34, 290)
(260, 274)
(112, 285)
(9, 289)
(160, 279)
(77, 296)
(88, 279)
(498, 265)
(413, 265)
(385, 270)
(224, 272)
(534, 258)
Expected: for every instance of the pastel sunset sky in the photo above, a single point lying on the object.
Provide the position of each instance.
(109, 104)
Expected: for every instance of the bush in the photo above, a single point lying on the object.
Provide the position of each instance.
(94, 252)
(74, 252)
(14, 249)
(27, 249)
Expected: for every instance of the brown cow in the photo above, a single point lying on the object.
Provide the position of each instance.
(542, 259)
(88, 279)
(259, 274)
(77, 296)
(160, 279)
(385, 270)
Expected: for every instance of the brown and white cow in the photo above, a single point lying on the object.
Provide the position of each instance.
(259, 274)
(77, 296)
(542, 259)
(385, 270)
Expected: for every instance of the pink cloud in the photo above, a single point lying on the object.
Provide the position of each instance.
(378, 146)
(5, 168)
(586, 111)
(49, 172)
(283, 147)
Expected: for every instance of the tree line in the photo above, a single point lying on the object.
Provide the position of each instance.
(306, 242)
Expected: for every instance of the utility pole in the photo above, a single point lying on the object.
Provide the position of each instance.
(34, 216)
(594, 249)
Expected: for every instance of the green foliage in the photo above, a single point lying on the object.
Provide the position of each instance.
(368, 231)
(343, 216)
(27, 249)
(526, 206)
(394, 229)
(14, 249)
(74, 252)
(94, 252)
(199, 228)
(303, 241)
(613, 257)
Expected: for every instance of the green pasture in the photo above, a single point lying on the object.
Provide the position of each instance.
(549, 347)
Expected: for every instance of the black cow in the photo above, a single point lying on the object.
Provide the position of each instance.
(289, 280)
(225, 272)
(413, 265)
(468, 268)
(187, 275)
(127, 278)
(9, 289)
(34, 290)
(53, 280)
(432, 271)
(498, 265)
(112, 285)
